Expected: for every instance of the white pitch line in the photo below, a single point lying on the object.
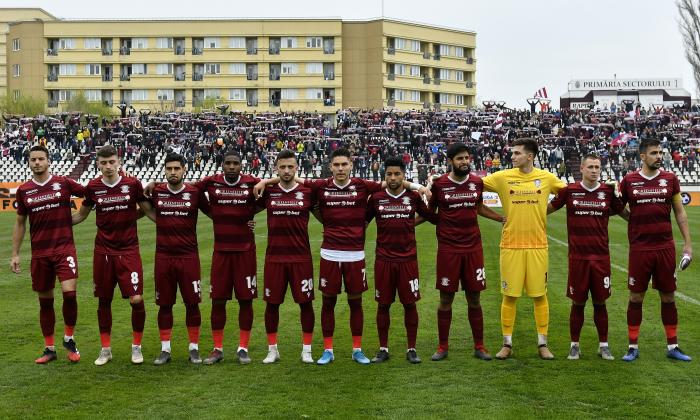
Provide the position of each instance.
(624, 270)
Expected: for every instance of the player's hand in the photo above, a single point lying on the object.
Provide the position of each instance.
(14, 265)
(503, 220)
(425, 192)
(148, 189)
(615, 186)
(259, 188)
(251, 224)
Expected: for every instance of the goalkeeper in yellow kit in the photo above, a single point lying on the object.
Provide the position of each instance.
(524, 193)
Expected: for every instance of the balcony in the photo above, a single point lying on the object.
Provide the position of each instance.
(252, 50)
(274, 102)
(106, 77)
(53, 104)
(329, 76)
(106, 51)
(52, 51)
(436, 81)
(179, 50)
(391, 50)
(252, 76)
(124, 77)
(390, 102)
(52, 77)
(470, 60)
(426, 105)
(198, 77)
(124, 51)
(197, 51)
(426, 80)
(470, 85)
(180, 103)
(274, 50)
(391, 76)
(436, 57)
(329, 102)
(328, 50)
(252, 102)
(180, 77)
(426, 55)
(437, 106)
(108, 102)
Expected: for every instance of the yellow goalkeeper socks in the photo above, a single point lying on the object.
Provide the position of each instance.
(508, 315)
(541, 314)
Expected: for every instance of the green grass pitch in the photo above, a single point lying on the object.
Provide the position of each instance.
(459, 387)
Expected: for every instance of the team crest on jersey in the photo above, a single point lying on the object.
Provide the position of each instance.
(538, 183)
(299, 195)
(125, 189)
(601, 196)
(406, 201)
(663, 183)
(56, 186)
(186, 196)
(472, 186)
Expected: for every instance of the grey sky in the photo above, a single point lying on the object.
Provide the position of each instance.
(521, 45)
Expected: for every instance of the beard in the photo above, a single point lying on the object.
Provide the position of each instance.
(461, 172)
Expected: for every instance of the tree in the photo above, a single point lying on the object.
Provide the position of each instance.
(79, 103)
(24, 105)
(689, 11)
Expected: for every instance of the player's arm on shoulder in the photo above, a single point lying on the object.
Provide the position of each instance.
(557, 184)
(425, 214)
(557, 202)
(17, 238)
(82, 214)
(147, 208)
(148, 189)
(492, 181)
(316, 211)
(682, 221)
(76, 189)
(260, 186)
(486, 211)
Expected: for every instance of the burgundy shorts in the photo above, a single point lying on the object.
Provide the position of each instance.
(390, 277)
(110, 270)
(44, 270)
(234, 272)
(173, 272)
(659, 265)
(334, 274)
(589, 275)
(465, 268)
(298, 275)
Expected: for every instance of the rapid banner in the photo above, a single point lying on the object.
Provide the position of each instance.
(8, 202)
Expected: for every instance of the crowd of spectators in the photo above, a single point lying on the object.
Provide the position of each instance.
(419, 137)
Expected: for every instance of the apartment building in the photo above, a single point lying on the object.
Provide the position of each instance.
(313, 65)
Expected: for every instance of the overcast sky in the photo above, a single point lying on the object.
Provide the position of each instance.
(522, 45)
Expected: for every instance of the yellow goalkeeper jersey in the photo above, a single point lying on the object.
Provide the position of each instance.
(524, 198)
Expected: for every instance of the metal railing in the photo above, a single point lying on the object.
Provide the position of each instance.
(274, 50)
(106, 77)
(426, 80)
(391, 102)
(391, 50)
(180, 77)
(124, 77)
(426, 105)
(179, 50)
(274, 102)
(252, 76)
(197, 51)
(52, 51)
(436, 57)
(198, 77)
(124, 51)
(329, 50)
(106, 51)
(52, 77)
(329, 102)
(252, 50)
(53, 104)
(329, 76)
(426, 55)
(436, 81)
(274, 76)
(391, 76)
(252, 102)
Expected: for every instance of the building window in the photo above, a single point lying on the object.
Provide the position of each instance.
(414, 96)
(16, 94)
(236, 42)
(314, 68)
(92, 43)
(139, 43)
(212, 68)
(400, 69)
(415, 71)
(444, 98)
(66, 43)
(459, 99)
(290, 93)
(459, 52)
(459, 75)
(92, 69)
(212, 94)
(15, 70)
(139, 95)
(66, 95)
(164, 42)
(400, 44)
(138, 69)
(313, 42)
(165, 94)
(444, 74)
(93, 95)
(399, 95)
(236, 94)
(444, 49)
(67, 69)
(290, 68)
(211, 42)
(415, 46)
(236, 68)
(313, 93)
(15, 44)
(164, 69)
(289, 42)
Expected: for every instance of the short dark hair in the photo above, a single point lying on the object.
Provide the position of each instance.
(40, 149)
(106, 151)
(232, 153)
(529, 144)
(595, 156)
(394, 161)
(456, 148)
(341, 152)
(174, 157)
(285, 154)
(647, 143)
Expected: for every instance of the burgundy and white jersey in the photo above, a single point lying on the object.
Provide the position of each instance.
(650, 202)
(176, 219)
(396, 233)
(343, 212)
(457, 205)
(48, 208)
(587, 214)
(232, 207)
(115, 214)
(288, 223)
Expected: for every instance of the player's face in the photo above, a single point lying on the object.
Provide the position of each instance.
(232, 167)
(590, 170)
(174, 171)
(287, 169)
(394, 177)
(38, 162)
(341, 167)
(520, 156)
(460, 163)
(652, 157)
(109, 166)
